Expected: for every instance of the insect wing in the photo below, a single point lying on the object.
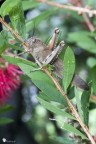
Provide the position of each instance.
(53, 55)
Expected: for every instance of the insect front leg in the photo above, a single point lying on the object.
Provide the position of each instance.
(39, 64)
(24, 52)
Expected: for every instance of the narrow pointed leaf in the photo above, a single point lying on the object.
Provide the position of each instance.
(29, 4)
(85, 106)
(82, 101)
(62, 140)
(72, 129)
(78, 94)
(16, 60)
(93, 79)
(4, 121)
(83, 40)
(54, 109)
(69, 67)
(5, 108)
(7, 6)
(17, 19)
(3, 41)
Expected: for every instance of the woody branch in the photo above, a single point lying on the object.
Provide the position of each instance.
(73, 8)
(85, 16)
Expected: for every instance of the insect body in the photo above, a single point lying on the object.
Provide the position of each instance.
(42, 53)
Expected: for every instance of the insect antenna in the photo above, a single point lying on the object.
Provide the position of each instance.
(34, 28)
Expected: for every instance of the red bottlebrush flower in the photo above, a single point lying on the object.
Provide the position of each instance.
(9, 80)
(94, 138)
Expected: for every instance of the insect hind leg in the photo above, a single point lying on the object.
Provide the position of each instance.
(52, 43)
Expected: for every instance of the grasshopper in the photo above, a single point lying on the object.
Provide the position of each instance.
(48, 54)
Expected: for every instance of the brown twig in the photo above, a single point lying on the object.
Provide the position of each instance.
(57, 86)
(73, 8)
(86, 18)
(88, 22)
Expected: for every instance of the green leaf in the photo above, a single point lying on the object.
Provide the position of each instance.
(54, 109)
(83, 40)
(13, 46)
(16, 60)
(78, 94)
(7, 6)
(61, 140)
(3, 41)
(43, 82)
(71, 93)
(51, 91)
(91, 62)
(38, 19)
(93, 79)
(17, 19)
(72, 129)
(82, 101)
(85, 106)
(54, 96)
(69, 67)
(4, 121)
(29, 4)
(6, 108)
